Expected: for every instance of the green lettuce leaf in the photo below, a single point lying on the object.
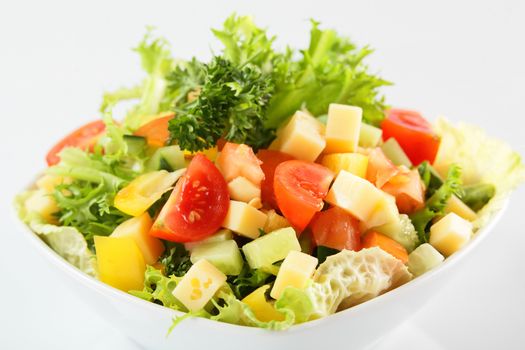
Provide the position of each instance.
(483, 160)
(159, 288)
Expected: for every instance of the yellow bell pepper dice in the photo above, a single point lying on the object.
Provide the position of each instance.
(120, 263)
(142, 192)
(263, 310)
(354, 163)
(138, 229)
(199, 285)
(343, 127)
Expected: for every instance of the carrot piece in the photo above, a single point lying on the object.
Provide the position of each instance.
(374, 239)
(156, 131)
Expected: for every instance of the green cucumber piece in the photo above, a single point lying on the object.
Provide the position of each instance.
(424, 258)
(477, 196)
(270, 248)
(402, 231)
(136, 144)
(168, 158)
(224, 255)
(395, 153)
(219, 236)
(369, 136)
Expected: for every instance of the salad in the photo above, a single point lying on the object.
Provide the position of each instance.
(264, 187)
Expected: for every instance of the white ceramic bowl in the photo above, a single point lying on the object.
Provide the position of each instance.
(147, 323)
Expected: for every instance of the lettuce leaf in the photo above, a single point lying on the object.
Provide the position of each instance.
(159, 288)
(65, 241)
(483, 160)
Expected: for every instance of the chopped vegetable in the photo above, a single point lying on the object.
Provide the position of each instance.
(374, 239)
(271, 248)
(335, 228)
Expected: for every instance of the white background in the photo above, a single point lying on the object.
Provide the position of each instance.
(464, 59)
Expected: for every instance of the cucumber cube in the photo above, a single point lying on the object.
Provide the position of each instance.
(270, 248)
(224, 255)
(369, 136)
(220, 236)
(424, 258)
(395, 153)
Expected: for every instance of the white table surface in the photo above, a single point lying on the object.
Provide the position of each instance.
(462, 59)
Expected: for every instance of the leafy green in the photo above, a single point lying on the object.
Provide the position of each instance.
(186, 77)
(159, 289)
(231, 104)
(431, 179)
(176, 259)
(248, 281)
(436, 204)
(477, 196)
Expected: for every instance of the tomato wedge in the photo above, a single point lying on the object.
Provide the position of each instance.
(408, 190)
(197, 206)
(156, 131)
(270, 160)
(84, 137)
(239, 160)
(413, 133)
(335, 228)
(300, 188)
(380, 169)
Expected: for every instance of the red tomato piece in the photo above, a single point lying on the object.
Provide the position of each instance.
(84, 137)
(197, 206)
(408, 190)
(413, 133)
(380, 169)
(270, 161)
(300, 188)
(239, 160)
(156, 131)
(337, 229)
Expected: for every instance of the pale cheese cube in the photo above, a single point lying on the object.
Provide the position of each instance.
(302, 137)
(385, 213)
(241, 189)
(450, 234)
(456, 206)
(343, 127)
(275, 221)
(199, 285)
(356, 195)
(295, 271)
(42, 203)
(424, 258)
(244, 219)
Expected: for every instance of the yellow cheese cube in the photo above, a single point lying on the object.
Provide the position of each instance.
(44, 204)
(385, 213)
(295, 271)
(138, 229)
(357, 196)
(263, 310)
(450, 234)
(199, 285)
(342, 128)
(241, 189)
(302, 137)
(275, 221)
(354, 163)
(120, 263)
(455, 205)
(244, 219)
(424, 258)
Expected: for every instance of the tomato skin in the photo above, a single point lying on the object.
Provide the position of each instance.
(413, 133)
(300, 188)
(270, 160)
(83, 137)
(336, 229)
(380, 169)
(156, 131)
(197, 206)
(239, 160)
(408, 190)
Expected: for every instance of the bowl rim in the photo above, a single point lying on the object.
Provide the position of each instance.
(104, 288)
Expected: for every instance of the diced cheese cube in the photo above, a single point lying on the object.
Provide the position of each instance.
(42, 203)
(275, 221)
(450, 234)
(270, 248)
(199, 285)
(424, 258)
(138, 229)
(295, 271)
(385, 213)
(354, 163)
(456, 206)
(241, 189)
(359, 197)
(244, 219)
(302, 137)
(342, 128)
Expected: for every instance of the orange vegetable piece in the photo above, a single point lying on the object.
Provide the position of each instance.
(374, 239)
(156, 131)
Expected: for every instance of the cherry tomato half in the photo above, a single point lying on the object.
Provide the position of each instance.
(300, 188)
(270, 161)
(83, 137)
(336, 229)
(413, 133)
(197, 206)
